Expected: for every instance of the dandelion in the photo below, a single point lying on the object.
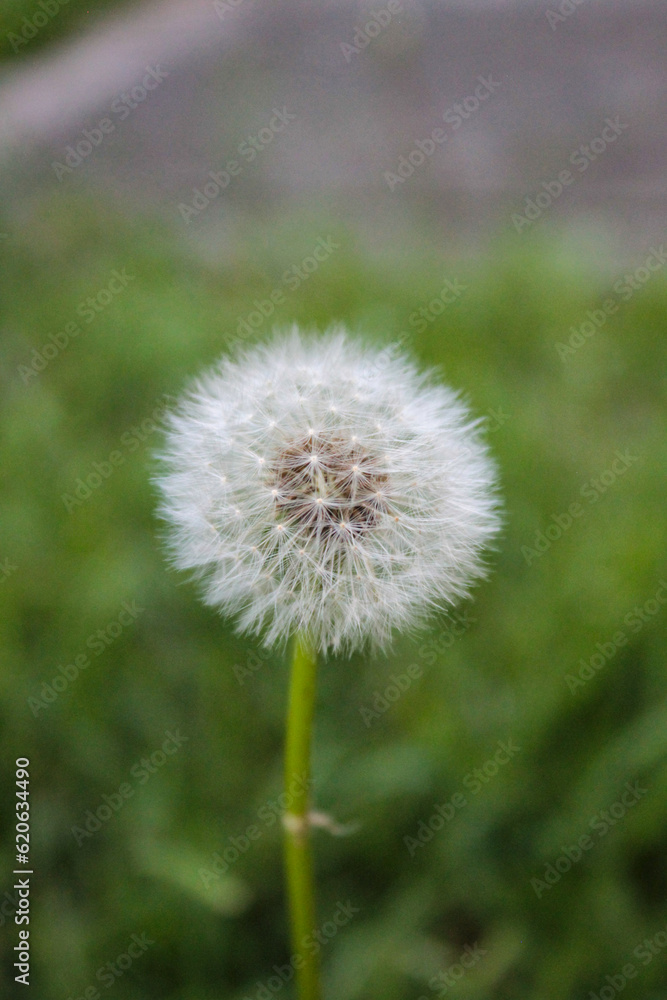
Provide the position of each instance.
(327, 490)
(320, 486)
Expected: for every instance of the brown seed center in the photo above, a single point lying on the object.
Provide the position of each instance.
(328, 487)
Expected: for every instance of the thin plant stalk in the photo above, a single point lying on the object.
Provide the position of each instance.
(298, 857)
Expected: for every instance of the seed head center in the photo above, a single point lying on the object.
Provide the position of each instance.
(327, 486)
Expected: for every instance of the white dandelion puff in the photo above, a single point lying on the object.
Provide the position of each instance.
(318, 485)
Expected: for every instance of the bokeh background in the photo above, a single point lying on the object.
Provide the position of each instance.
(119, 283)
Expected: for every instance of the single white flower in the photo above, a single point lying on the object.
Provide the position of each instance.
(319, 485)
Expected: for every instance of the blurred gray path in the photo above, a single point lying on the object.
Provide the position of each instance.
(364, 88)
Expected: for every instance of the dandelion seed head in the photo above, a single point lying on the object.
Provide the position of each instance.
(348, 493)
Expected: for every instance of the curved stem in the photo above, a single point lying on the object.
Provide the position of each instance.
(298, 860)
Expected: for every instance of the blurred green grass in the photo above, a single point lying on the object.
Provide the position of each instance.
(553, 426)
(30, 25)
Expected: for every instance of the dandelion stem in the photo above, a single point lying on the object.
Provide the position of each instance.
(298, 860)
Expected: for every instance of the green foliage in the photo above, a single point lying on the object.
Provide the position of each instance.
(29, 25)
(497, 672)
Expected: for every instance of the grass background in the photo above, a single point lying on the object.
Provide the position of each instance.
(561, 425)
(24, 21)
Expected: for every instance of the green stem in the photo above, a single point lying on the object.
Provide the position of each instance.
(298, 861)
